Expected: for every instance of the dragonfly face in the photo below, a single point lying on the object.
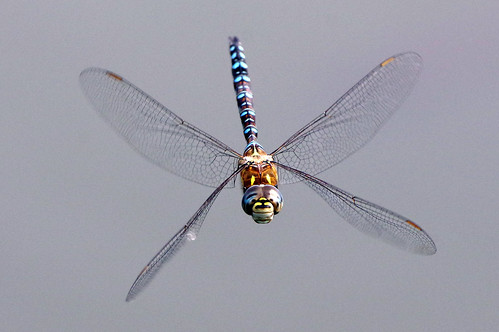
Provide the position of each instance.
(262, 202)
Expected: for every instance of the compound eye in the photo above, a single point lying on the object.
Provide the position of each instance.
(251, 195)
(275, 197)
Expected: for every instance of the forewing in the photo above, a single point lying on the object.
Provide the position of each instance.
(156, 132)
(370, 218)
(188, 232)
(351, 121)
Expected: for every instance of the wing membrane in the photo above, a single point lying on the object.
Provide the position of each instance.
(188, 232)
(351, 121)
(156, 132)
(370, 218)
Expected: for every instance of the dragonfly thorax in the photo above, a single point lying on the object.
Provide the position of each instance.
(262, 202)
(258, 168)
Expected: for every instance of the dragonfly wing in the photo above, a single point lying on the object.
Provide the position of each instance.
(370, 218)
(187, 233)
(156, 132)
(351, 121)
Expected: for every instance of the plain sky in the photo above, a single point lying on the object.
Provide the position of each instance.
(82, 212)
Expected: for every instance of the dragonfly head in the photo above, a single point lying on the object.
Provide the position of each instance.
(262, 202)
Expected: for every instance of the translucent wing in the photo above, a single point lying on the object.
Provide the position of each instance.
(188, 232)
(370, 218)
(351, 121)
(156, 132)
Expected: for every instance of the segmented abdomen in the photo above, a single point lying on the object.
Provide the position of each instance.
(243, 90)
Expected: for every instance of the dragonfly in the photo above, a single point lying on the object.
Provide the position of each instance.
(187, 151)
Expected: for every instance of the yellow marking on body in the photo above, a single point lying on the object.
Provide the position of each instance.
(262, 204)
(253, 180)
(113, 75)
(268, 178)
(413, 225)
(387, 61)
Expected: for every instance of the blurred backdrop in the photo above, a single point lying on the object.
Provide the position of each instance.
(82, 213)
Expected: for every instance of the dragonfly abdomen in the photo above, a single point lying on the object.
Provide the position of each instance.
(242, 87)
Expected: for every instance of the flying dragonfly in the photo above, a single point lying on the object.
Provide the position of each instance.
(185, 150)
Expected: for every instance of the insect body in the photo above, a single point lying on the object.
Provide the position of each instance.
(183, 149)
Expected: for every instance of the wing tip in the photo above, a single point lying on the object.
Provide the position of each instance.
(416, 58)
(130, 297)
(115, 76)
(387, 61)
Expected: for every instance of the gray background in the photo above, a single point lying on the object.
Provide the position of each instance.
(82, 213)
